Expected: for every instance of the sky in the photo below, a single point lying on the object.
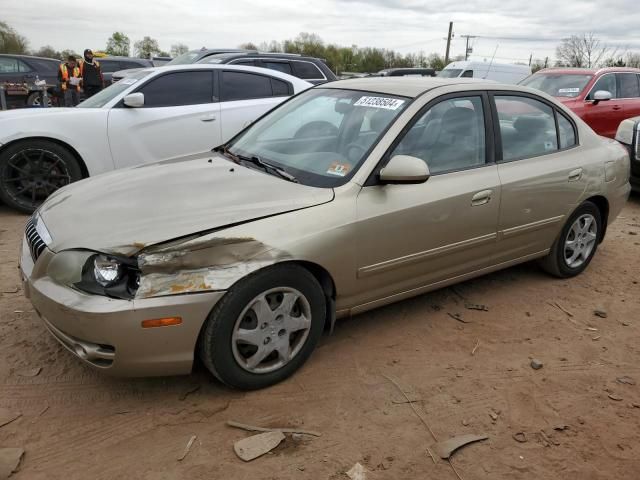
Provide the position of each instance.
(506, 30)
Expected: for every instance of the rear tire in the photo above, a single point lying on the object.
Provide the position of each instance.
(32, 169)
(577, 243)
(264, 328)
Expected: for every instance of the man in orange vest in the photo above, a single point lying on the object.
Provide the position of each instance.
(91, 74)
(69, 78)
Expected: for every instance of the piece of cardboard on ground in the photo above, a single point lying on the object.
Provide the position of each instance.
(9, 461)
(255, 446)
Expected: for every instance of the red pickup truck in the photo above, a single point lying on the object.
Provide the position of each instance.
(601, 97)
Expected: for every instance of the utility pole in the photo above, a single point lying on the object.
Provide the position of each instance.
(446, 55)
(466, 50)
(530, 58)
(546, 62)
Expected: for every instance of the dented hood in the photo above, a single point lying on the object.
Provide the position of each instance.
(127, 210)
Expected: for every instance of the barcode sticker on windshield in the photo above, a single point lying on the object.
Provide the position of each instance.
(569, 90)
(379, 102)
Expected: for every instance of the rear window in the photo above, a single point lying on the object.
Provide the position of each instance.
(558, 85)
(307, 71)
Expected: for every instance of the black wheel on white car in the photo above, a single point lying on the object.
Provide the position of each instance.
(264, 328)
(574, 249)
(31, 170)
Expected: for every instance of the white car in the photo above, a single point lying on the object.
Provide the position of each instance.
(153, 115)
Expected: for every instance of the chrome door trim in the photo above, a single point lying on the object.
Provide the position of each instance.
(530, 227)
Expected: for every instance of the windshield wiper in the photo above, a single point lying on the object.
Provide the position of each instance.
(254, 159)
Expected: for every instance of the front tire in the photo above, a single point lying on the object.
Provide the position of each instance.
(31, 170)
(574, 249)
(264, 328)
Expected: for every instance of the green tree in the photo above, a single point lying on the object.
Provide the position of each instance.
(64, 54)
(118, 44)
(248, 46)
(48, 51)
(178, 49)
(11, 41)
(146, 48)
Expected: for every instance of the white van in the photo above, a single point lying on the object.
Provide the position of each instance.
(499, 72)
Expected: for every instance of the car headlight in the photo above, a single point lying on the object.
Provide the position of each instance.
(106, 270)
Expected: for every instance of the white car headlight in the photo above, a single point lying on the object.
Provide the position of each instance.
(42, 230)
(106, 270)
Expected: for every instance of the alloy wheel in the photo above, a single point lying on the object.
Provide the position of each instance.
(580, 240)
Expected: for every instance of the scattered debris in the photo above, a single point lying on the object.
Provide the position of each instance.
(580, 420)
(458, 317)
(465, 423)
(473, 306)
(18, 311)
(473, 352)
(494, 415)
(635, 405)
(536, 364)
(544, 439)
(626, 380)
(520, 437)
(357, 472)
(446, 448)
(615, 397)
(44, 410)
(592, 329)
(32, 372)
(600, 313)
(255, 446)
(251, 428)
(193, 389)
(625, 324)
(9, 461)
(560, 307)
(6, 417)
(187, 448)
(13, 290)
(561, 427)
(596, 338)
(633, 233)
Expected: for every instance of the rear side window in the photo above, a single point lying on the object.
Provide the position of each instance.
(307, 71)
(606, 83)
(179, 88)
(8, 65)
(280, 88)
(251, 63)
(245, 86)
(628, 85)
(527, 127)
(283, 67)
(566, 131)
(109, 66)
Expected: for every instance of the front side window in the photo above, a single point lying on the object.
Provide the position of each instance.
(322, 136)
(448, 136)
(558, 84)
(467, 74)
(110, 66)
(178, 89)
(628, 83)
(106, 95)
(450, 73)
(606, 83)
(527, 127)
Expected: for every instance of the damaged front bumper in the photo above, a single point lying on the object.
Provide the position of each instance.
(106, 333)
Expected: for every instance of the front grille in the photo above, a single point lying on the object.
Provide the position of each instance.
(36, 244)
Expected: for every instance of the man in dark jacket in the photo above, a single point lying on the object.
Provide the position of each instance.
(91, 74)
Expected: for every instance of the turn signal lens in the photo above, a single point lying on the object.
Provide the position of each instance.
(161, 322)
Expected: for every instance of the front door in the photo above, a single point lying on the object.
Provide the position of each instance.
(411, 236)
(604, 117)
(178, 118)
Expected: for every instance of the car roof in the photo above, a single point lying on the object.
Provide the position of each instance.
(218, 66)
(117, 57)
(29, 56)
(254, 53)
(587, 71)
(405, 86)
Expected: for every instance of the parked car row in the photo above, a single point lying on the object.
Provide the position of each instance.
(244, 255)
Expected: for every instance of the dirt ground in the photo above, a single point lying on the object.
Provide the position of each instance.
(79, 424)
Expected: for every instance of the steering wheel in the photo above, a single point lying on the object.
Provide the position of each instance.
(316, 128)
(349, 148)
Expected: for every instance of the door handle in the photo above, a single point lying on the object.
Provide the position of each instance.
(208, 118)
(481, 198)
(575, 175)
(617, 107)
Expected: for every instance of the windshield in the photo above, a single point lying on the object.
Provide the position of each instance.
(103, 97)
(184, 59)
(450, 73)
(322, 136)
(558, 84)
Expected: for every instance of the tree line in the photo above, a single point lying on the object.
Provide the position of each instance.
(585, 50)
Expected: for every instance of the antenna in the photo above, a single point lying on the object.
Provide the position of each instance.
(491, 63)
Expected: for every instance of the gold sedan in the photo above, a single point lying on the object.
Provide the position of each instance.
(349, 196)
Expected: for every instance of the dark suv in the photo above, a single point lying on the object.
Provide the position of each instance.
(313, 70)
(108, 65)
(18, 74)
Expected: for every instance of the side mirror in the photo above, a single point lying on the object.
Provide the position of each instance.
(134, 100)
(601, 96)
(629, 135)
(404, 169)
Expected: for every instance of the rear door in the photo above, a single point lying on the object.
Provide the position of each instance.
(245, 96)
(179, 117)
(541, 170)
(604, 117)
(629, 93)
